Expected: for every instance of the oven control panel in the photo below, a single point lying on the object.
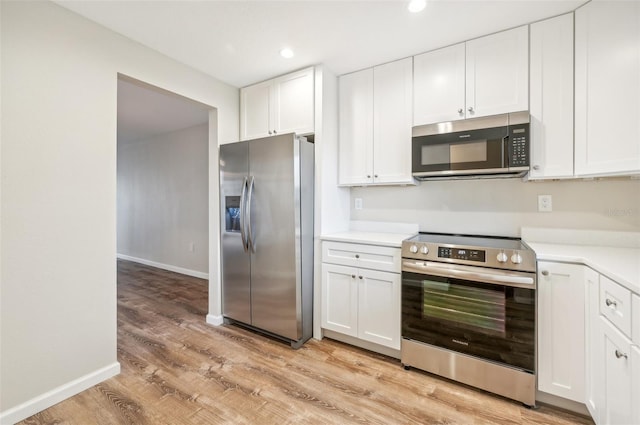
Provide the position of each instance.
(462, 254)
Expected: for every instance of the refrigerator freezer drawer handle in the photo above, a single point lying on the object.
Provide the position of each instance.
(243, 218)
(249, 229)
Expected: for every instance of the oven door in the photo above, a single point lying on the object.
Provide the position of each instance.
(485, 313)
(464, 152)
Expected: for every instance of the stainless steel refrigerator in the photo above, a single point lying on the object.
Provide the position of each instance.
(266, 197)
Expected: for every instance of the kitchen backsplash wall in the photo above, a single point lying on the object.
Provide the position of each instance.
(502, 207)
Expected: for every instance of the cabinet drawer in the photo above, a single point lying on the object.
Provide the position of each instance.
(615, 304)
(635, 319)
(364, 256)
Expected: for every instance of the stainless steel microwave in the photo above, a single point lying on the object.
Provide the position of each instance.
(487, 147)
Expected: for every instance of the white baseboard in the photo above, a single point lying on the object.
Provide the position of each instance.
(214, 320)
(56, 395)
(169, 267)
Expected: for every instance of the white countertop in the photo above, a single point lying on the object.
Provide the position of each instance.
(369, 238)
(619, 264)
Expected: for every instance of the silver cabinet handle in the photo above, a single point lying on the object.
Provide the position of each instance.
(368, 176)
(620, 354)
(460, 111)
(357, 256)
(270, 132)
(375, 176)
(610, 303)
(545, 272)
(353, 276)
(536, 167)
(275, 132)
(470, 109)
(361, 278)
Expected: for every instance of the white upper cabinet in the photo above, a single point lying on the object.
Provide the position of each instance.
(282, 105)
(355, 159)
(607, 116)
(392, 106)
(551, 98)
(498, 73)
(375, 125)
(438, 85)
(485, 76)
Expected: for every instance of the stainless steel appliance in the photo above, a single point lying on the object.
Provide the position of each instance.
(486, 147)
(468, 311)
(266, 197)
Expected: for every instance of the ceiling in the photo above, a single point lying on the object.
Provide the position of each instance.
(239, 41)
(145, 111)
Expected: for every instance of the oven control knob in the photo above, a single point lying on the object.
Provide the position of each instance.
(516, 258)
(424, 250)
(502, 257)
(413, 249)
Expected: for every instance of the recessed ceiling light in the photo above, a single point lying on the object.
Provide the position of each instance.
(416, 6)
(286, 53)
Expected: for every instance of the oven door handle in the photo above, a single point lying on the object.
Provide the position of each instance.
(462, 272)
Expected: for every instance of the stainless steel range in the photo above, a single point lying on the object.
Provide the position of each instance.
(468, 311)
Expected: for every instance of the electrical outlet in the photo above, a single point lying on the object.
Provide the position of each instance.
(358, 203)
(545, 203)
(192, 246)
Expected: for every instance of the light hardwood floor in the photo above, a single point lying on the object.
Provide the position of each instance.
(176, 369)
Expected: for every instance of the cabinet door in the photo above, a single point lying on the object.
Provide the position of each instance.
(551, 91)
(293, 110)
(355, 160)
(392, 100)
(255, 109)
(594, 352)
(379, 307)
(340, 299)
(497, 73)
(635, 319)
(635, 383)
(617, 408)
(438, 85)
(607, 100)
(561, 329)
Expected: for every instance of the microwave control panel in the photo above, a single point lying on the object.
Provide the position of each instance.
(519, 146)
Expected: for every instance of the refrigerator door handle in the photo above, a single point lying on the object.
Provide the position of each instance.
(248, 212)
(243, 218)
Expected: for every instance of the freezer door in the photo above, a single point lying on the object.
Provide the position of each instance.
(275, 235)
(236, 260)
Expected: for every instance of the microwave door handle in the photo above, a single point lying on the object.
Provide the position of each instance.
(243, 219)
(505, 149)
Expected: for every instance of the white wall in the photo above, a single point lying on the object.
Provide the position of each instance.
(58, 206)
(163, 200)
(502, 207)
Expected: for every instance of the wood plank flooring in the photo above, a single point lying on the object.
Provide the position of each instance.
(176, 369)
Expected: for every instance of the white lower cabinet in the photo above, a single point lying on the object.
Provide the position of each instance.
(561, 330)
(360, 302)
(617, 401)
(613, 359)
(339, 299)
(635, 383)
(379, 307)
(593, 343)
